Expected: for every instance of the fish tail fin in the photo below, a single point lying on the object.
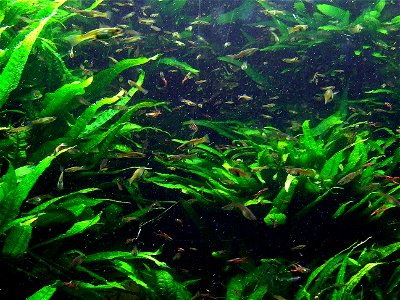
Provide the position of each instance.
(108, 15)
(206, 139)
(144, 91)
(75, 40)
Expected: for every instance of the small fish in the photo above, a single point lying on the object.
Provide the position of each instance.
(132, 154)
(193, 126)
(60, 182)
(356, 29)
(19, 129)
(272, 12)
(298, 247)
(164, 80)
(390, 199)
(246, 212)
(191, 103)
(349, 177)
(239, 172)
(42, 121)
(154, 114)
(137, 174)
(239, 260)
(328, 96)
(89, 13)
(291, 60)
(76, 261)
(244, 53)
(297, 28)
(146, 21)
(139, 87)
(194, 142)
(75, 169)
(245, 97)
(164, 235)
(96, 34)
(259, 193)
(300, 171)
(300, 269)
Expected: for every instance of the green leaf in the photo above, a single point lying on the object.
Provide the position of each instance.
(330, 28)
(380, 5)
(12, 72)
(331, 167)
(130, 271)
(235, 288)
(239, 13)
(169, 288)
(326, 125)
(355, 279)
(88, 114)
(102, 79)
(10, 206)
(100, 256)
(44, 293)
(178, 64)
(332, 11)
(17, 241)
(59, 101)
(77, 228)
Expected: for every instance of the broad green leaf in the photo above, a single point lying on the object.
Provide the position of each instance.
(10, 206)
(130, 271)
(45, 293)
(178, 64)
(332, 11)
(60, 101)
(12, 72)
(331, 167)
(326, 125)
(239, 13)
(17, 241)
(169, 288)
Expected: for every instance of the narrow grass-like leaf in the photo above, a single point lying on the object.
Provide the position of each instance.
(45, 292)
(178, 64)
(77, 228)
(105, 77)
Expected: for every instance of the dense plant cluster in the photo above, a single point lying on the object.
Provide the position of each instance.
(262, 154)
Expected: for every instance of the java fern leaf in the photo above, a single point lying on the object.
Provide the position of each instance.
(105, 77)
(168, 288)
(12, 72)
(59, 101)
(17, 241)
(11, 204)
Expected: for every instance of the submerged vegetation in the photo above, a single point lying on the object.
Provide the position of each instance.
(172, 149)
